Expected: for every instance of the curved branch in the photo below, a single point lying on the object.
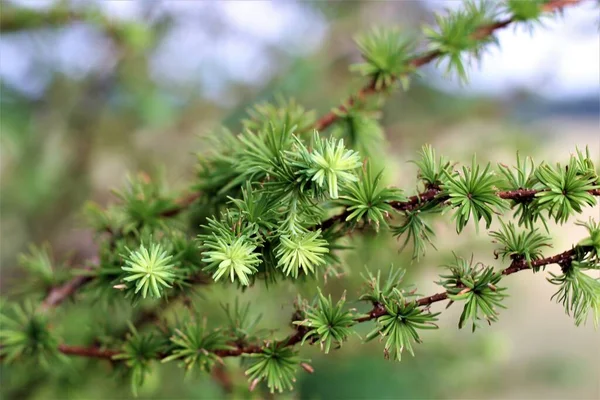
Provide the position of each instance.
(60, 293)
(370, 89)
(92, 352)
(515, 266)
(431, 195)
(181, 204)
(295, 338)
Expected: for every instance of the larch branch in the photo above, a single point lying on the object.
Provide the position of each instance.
(370, 89)
(437, 195)
(295, 338)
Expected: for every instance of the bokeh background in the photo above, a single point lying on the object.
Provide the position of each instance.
(92, 91)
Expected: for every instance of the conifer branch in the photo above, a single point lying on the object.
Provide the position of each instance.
(515, 266)
(378, 310)
(58, 294)
(371, 89)
(434, 195)
(268, 188)
(182, 204)
(221, 376)
(90, 352)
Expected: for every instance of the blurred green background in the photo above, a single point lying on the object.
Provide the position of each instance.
(94, 90)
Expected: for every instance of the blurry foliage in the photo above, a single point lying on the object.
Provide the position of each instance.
(63, 146)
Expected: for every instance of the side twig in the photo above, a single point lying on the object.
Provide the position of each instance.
(181, 204)
(60, 293)
(370, 89)
(298, 335)
(431, 195)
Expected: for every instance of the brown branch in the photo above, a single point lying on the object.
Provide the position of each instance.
(181, 205)
(518, 195)
(60, 293)
(152, 315)
(561, 259)
(220, 374)
(328, 223)
(430, 195)
(482, 33)
(416, 200)
(515, 266)
(92, 352)
(295, 338)
(411, 203)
